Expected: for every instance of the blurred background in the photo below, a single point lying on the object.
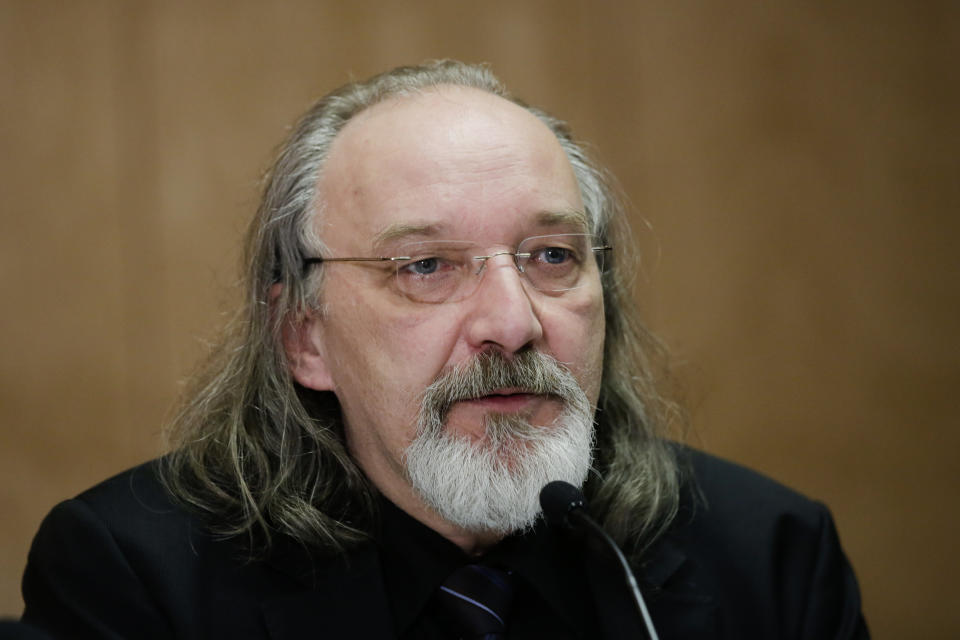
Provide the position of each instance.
(796, 163)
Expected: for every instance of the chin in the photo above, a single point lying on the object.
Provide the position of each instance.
(492, 482)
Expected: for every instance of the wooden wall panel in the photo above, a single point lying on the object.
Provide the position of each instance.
(792, 165)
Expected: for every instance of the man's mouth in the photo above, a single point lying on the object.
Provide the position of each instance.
(505, 400)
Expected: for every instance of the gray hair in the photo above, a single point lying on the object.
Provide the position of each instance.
(257, 455)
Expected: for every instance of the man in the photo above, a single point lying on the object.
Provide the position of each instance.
(435, 327)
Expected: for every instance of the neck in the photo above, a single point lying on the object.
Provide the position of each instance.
(473, 544)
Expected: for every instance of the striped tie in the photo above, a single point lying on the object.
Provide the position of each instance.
(478, 598)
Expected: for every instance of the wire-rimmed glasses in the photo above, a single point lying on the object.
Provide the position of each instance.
(438, 271)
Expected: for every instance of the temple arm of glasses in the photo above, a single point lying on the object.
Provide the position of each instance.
(307, 261)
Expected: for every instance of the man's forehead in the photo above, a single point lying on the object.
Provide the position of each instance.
(451, 163)
(427, 125)
(438, 102)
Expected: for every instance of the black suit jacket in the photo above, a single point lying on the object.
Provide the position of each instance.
(753, 560)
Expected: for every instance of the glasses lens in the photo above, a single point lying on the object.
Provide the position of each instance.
(434, 271)
(559, 262)
(447, 271)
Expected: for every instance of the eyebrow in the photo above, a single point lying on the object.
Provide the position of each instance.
(568, 217)
(405, 230)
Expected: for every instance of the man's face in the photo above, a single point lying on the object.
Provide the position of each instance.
(448, 164)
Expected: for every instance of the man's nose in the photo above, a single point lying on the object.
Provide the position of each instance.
(503, 314)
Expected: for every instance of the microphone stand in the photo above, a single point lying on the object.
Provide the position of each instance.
(562, 502)
(584, 518)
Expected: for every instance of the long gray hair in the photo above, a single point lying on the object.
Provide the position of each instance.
(257, 455)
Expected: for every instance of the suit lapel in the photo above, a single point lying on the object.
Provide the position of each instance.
(677, 607)
(340, 597)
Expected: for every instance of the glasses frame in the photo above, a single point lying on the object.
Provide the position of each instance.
(517, 256)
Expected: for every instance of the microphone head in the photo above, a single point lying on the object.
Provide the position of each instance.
(558, 499)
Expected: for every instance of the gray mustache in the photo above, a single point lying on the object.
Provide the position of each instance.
(527, 372)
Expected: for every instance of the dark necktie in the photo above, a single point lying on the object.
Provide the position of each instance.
(478, 599)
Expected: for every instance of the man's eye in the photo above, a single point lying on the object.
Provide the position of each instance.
(555, 255)
(424, 266)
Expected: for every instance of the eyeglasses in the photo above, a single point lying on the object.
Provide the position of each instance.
(450, 270)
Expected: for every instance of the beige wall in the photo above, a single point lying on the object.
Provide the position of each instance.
(797, 162)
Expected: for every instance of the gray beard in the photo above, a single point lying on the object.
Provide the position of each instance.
(493, 484)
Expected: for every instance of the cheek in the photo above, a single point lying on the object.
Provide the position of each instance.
(387, 354)
(575, 336)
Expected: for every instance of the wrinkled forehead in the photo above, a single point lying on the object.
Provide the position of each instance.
(448, 156)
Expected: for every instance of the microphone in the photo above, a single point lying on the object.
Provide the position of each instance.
(558, 500)
(564, 507)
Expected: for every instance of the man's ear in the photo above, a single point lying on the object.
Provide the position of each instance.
(303, 344)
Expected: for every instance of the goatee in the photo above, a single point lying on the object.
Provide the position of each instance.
(492, 484)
